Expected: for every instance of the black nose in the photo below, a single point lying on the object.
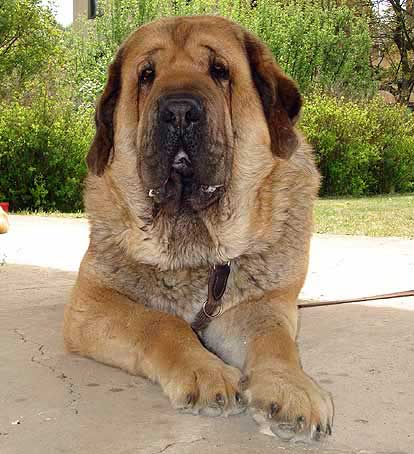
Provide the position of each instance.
(180, 111)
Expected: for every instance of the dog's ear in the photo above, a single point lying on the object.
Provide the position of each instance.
(103, 142)
(279, 95)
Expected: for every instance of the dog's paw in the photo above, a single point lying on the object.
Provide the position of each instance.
(206, 386)
(288, 404)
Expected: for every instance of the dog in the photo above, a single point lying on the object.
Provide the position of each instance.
(4, 221)
(199, 195)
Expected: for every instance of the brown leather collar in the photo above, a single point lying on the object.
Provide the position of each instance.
(212, 307)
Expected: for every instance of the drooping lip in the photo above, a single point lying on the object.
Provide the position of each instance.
(183, 192)
(204, 188)
(182, 164)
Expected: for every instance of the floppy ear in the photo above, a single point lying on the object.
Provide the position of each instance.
(279, 94)
(103, 142)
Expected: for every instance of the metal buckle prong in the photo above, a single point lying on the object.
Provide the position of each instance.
(220, 310)
(227, 263)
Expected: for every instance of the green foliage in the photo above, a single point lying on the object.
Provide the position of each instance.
(28, 37)
(326, 47)
(42, 149)
(361, 147)
(44, 128)
(51, 78)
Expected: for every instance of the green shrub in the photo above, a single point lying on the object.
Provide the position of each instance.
(324, 46)
(42, 154)
(46, 116)
(361, 147)
(28, 37)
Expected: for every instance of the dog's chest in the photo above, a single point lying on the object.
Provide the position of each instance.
(181, 293)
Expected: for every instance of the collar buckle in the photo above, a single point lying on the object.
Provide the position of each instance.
(215, 314)
(213, 306)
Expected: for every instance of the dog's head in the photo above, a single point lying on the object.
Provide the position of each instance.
(194, 118)
(185, 94)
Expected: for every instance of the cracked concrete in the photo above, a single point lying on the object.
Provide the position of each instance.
(40, 360)
(53, 402)
(176, 444)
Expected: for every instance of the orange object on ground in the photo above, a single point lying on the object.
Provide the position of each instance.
(4, 221)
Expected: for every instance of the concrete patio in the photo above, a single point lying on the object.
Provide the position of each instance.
(53, 402)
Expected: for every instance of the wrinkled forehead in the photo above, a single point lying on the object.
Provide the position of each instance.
(189, 36)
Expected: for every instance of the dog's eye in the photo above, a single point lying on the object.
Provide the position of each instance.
(219, 71)
(147, 74)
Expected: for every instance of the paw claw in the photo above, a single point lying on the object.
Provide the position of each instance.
(317, 433)
(221, 401)
(240, 400)
(190, 399)
(244, 382)
(329, 429)
(300, 423)
(273, 410)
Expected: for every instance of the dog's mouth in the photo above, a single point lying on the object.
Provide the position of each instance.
(182, 164)
(182, 189)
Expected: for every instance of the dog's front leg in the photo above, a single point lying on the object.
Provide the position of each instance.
(259, 337)
(108, 327)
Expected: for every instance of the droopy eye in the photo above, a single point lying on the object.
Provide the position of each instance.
(219, 71)
(147, 74)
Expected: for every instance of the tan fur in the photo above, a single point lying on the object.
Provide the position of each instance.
(4, 221)
(144, 279)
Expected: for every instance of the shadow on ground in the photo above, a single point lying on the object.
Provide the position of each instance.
(54, 402)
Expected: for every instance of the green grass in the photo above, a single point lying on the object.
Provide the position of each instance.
(53, 214)
(387, 215)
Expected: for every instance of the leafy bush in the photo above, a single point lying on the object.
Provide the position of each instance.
(328, 47)
(51, 85)
(42, 150)
(361, 147)
(28, 36)
(325, 46)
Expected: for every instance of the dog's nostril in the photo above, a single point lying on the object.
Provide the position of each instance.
(180, 112)
(167, 116)
(193, 115)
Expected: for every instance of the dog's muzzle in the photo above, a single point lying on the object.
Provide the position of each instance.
(184, 155)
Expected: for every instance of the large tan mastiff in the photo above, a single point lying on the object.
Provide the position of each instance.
(197, 176)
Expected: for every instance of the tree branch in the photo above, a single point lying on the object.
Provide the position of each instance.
(10, 44)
